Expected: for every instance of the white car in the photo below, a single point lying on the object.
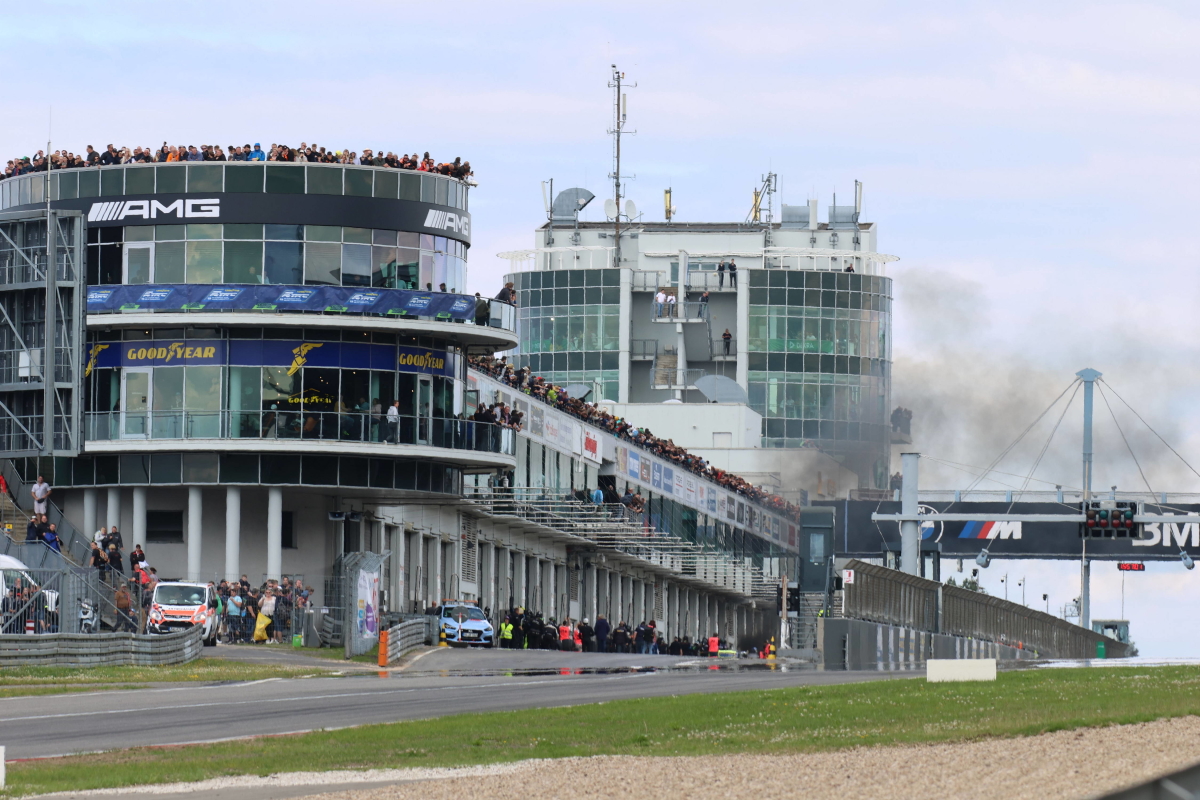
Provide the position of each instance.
(179, 606)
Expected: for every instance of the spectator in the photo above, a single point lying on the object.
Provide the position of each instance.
(507, 294)
(721, 274)
(660, 300)
(114, 562)
(483, 310)
(100, 536)
(136, 558)
(257, 153)
(41, 492)
(671, 305)
(123, 601)
(51, 538)
(601, 632)
(32, 532)
(98, 560)
(732, 274)
(726, 340)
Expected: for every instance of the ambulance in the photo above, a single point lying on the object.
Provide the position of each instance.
(179, 606)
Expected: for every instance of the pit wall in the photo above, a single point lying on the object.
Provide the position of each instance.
(852, 644)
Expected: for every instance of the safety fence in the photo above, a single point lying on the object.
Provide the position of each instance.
(878, 594)
(69, 600)
(105, 649)
(408, 634)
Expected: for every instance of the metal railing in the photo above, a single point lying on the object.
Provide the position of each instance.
(404, 637)
(613, 526)
(885, 595)
(720, 348)
(689, 310)
(709, 281)
(107, 649)
(75, 546)
(458, 434)
(690, 376)
(643, 349)
(645, 281)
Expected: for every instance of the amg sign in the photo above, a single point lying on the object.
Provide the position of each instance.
(151, 209)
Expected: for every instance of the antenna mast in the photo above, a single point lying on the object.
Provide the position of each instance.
(619, 109)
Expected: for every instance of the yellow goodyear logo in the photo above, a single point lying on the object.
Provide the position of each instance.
(173, 351)
(422, 361)
(93, 354)
(300, 359)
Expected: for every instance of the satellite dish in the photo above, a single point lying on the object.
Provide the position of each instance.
(610, 208)
(720, 389)
(630, 209)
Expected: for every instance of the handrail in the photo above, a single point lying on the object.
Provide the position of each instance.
(299, 423)
(686, 311)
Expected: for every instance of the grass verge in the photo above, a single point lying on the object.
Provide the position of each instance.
(802, 719)
(204, 669)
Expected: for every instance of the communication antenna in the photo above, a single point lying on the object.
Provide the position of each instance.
(631, 211)
(668, 209)
(610, 209)
(620, 109)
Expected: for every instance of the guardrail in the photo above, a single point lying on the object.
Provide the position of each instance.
(886, 595)
(100, 649)
(404, 637)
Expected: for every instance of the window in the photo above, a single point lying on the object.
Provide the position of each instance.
(164, 527)
(288, 531)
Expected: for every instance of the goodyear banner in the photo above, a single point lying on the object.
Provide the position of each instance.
(269, 353)
(234, 297)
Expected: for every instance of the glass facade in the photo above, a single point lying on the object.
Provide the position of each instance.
(819, 362)
(241, 177)
(313, 255)
(569, 325)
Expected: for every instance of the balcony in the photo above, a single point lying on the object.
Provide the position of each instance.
(688, 311)
(643, 349)
(707, 281)
(298, 430)
(721, 350)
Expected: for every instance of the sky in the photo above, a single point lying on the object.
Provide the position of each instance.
(1033, 165)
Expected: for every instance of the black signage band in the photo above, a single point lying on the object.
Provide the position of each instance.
(283, 209)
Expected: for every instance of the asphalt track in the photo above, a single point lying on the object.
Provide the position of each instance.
(439, 684)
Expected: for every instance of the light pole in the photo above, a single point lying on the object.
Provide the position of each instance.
(1004, 580)
(1046, 597)
(1021, 583)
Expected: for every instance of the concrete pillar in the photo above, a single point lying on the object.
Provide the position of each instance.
(113, 512)
(89, 514)
(589, 594)
(420, 572)
(639, 602)
(434, 548)
(233, 533)
(618, 598)
(396, 601)
(274, 533)
(519, 596)
(195, 531)
(138, 525)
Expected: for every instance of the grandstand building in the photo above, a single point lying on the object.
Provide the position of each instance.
(808, 317)
(256, 368)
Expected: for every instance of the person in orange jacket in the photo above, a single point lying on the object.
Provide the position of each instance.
(714, 646)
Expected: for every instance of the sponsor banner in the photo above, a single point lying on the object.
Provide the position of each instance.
(176, 352)
(635, 466)
(857, 535)
(426, 362)
(591, 446)
(258, 207)
(256, 297)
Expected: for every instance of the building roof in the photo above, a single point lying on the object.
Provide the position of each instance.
(696, 227)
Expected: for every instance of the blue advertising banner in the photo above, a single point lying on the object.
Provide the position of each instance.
(269, 353)
(335, 299)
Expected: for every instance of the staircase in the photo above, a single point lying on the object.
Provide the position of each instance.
(665, 369)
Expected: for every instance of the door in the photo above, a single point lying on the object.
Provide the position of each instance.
(135, 403)
(139, 262)
(424, 408)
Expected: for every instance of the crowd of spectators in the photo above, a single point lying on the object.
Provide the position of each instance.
(522, 380)
(260, 614)
(169, 153)
(522, 629)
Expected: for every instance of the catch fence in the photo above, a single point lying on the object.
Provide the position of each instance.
(878, 594)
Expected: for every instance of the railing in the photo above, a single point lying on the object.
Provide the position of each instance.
(458, 434)
(685, 311)
(643, 349)
(271, 177)
(709, 281)
(75, 546)
(105, 649)
(404, 637)
(885, 595)
(644, 281)
(612, 526)
(721, 348)
(690, 376)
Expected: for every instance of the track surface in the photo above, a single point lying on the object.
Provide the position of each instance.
(439, 684)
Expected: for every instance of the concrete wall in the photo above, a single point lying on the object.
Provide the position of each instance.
(859, 645)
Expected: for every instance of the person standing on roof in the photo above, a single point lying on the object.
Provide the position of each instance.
(732, 274)
(257, 153)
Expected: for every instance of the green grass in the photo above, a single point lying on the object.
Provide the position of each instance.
(205, 669)
(779, 721)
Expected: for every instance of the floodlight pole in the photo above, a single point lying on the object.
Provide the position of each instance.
(1088, 376)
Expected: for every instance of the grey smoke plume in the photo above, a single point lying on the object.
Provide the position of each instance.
(974, 384)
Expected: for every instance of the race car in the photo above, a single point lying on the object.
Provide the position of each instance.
(464, 624)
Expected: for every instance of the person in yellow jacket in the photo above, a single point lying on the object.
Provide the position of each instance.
(506, 633)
